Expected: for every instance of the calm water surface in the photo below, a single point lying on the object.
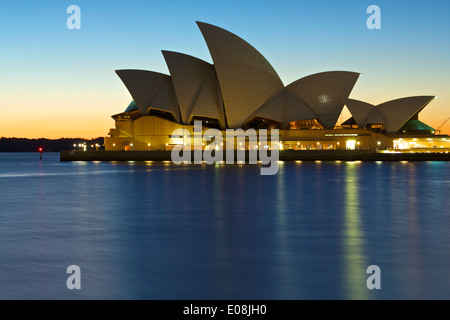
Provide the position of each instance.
(149, 230)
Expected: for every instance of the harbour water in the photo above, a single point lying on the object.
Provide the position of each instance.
(154, 230)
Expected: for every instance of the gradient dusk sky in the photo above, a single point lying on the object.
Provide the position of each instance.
(56, 82)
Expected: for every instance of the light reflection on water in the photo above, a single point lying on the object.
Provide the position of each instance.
(355, 259)
(152, 230)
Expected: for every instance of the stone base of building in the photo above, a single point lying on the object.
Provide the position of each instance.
(285, 155)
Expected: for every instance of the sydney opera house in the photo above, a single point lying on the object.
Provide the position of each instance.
(242, 90)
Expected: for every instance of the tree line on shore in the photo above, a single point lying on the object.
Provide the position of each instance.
(49, 145)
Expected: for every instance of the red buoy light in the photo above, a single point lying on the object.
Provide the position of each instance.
(40, 149)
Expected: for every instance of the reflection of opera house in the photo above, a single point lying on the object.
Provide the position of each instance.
(242, 90)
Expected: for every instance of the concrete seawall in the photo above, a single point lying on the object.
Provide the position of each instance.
(286, 155)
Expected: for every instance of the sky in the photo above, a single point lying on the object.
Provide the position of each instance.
(56, 82)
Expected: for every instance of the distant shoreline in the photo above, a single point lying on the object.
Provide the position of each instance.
(48, 145)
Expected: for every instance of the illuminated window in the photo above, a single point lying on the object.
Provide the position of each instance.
(351, 144)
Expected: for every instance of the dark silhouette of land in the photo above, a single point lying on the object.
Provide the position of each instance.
(48, 145)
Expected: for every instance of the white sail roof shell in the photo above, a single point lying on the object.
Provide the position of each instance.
(196, 87)
(151, 90)
(392, 114)
(246, 78)
(324, 93)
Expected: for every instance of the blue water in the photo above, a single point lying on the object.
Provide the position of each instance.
(149, 230)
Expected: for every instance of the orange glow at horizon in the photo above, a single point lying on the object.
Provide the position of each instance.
(38, 115)
(87, 113)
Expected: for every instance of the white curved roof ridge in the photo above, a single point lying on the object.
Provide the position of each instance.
(392, 114)
(360, 110)
(196, 87)
(397, 112)
(285, 107)
(246, 78)
(374, 117)
(150, 90)
(324, 93)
